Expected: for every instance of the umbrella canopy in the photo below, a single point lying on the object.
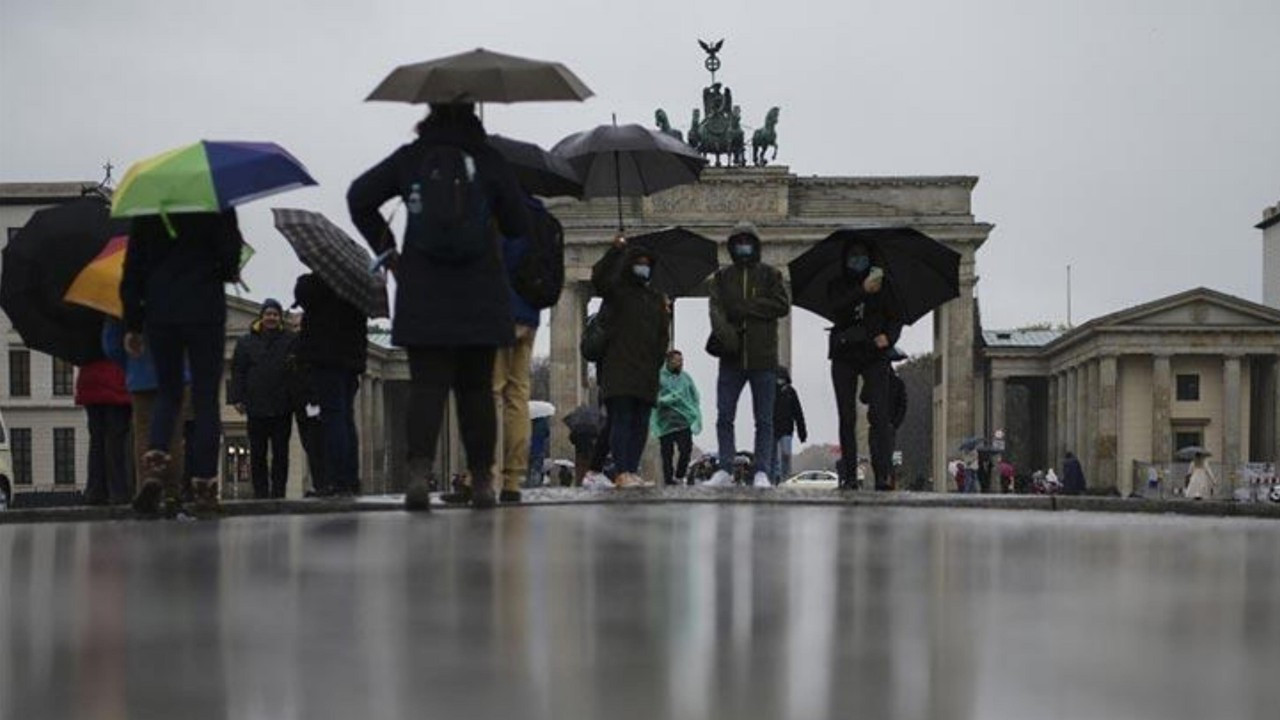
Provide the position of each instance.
(481, 76)
(541, 409)
(539, 172)
(335, 257)
(207, 177)
(629, 160)
(40, 263)
(585, 419)
(97, 285)
(923, 273)
(683, 259)
(1192, 451)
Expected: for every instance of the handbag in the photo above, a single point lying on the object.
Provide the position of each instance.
(595, 336)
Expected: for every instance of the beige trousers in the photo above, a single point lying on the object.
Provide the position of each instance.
(512, 387)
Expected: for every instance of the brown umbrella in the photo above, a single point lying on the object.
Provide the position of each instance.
(481, 76)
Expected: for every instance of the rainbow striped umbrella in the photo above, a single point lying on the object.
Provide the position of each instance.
(207, 176)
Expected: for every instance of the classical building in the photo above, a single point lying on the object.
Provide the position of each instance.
(1130, 388)
(792, 213)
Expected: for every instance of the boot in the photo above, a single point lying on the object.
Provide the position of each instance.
(417, 496)
(205, 500)
(461, 494)
(482, 494)
(159, 495)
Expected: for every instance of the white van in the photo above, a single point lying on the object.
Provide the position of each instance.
(6, 467)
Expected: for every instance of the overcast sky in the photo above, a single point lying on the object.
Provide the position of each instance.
(1137, 140)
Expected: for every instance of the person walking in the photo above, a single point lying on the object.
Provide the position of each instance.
(861, 347)
(1201, 482)
(262, 370)
(453, 302)
(746, 301)
(1073, 482)
(173, 290)
(100, 390)
(638, 338)
(143, 385)
(332, 350)
(676, 419)
(788, 423)
(306, 412)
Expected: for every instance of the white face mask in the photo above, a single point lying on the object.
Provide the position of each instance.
(642, 271)
(741, 250)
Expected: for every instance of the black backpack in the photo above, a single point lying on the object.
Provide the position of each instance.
(449, 213)
(539, 276)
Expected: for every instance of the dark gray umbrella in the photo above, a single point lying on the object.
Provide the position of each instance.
(629, 160)
(481, 76)
(335, 257)
(539, 172)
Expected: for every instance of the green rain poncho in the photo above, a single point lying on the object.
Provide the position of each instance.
(677, 406)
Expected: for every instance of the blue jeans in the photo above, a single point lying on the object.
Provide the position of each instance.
(335, 390)
(201, 347)
(764, 390)
(782, 460)
(628, 431)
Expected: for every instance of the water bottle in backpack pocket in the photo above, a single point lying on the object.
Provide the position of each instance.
(449, 213)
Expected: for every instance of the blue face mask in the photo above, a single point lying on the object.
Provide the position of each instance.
(859, 263)
(642, 271)
(741, 250)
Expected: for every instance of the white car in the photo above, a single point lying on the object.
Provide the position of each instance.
(813, 479)
(6, 468)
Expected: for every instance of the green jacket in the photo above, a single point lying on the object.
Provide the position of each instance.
(678, 405)
(747, 300)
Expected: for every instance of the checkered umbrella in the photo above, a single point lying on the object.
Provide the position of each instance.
(335, 257)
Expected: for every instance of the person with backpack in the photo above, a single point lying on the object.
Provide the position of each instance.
(263, 367)
(638, 333)
(861, 347)
(747, 300)
(173, 288)
(788, 421)
(331, 352)
(453, 302)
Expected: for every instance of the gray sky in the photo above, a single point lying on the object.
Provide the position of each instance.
(1136, 140)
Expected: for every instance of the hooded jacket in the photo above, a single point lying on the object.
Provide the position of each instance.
(334, 333)
(867, 315)
(441, 305)
(262, 372)
(788, 415)
(638, 328)
(746, 301)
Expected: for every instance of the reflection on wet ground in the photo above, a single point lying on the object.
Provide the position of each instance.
(650, 611)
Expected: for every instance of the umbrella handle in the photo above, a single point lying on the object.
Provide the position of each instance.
(168, 224)
(617, 182)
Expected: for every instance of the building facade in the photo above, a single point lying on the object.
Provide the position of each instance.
(1131, 388)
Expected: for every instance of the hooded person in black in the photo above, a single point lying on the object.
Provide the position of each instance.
(746, 301)
(788, 421)
(860, 347)
(639, 332)
(451, 316)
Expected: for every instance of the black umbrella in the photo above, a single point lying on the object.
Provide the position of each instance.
(340, 261)
(629, 160)
(539, 172)
(683, 259)
(481, 76)
(39, 264)
(585, 420)
(923, 273)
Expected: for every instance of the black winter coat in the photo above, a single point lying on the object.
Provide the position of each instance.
(445, 305)
(263, 373)
(788, 416)
(334, 333)
(180, 280)
(746, 301)
(869, 315)
(638, 329)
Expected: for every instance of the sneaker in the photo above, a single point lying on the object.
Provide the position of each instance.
(761, 481)
(482, 495)
(596, 481)
(721, 478)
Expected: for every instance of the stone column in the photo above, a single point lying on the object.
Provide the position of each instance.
(364, 430)
(1090, 418)
(1161, 409)
(1107, 438)
(999, 391)
(1231, 444)
(1074, 402)
(567, 368)
(958, 351)
(1051, 440)
(784, 342)
(1064, 402)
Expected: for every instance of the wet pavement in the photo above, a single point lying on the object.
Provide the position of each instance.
(643, 611)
